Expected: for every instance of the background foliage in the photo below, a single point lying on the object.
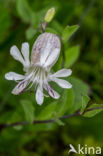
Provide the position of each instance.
(20, 22)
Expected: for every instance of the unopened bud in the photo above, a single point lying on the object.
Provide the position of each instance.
(49, 15)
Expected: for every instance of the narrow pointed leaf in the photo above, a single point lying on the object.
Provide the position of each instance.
(85, 100)
(68, 32)
(92, 112)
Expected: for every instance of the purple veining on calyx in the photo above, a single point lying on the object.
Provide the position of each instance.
(50, 89)
(22, 83)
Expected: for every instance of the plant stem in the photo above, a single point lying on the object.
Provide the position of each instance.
(2, 126)
(43, 26)
(5, 125)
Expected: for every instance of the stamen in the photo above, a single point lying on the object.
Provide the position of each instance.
(39, 77)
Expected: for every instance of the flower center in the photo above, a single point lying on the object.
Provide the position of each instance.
(39, 75)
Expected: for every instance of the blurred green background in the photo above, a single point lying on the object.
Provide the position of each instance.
(19, 22)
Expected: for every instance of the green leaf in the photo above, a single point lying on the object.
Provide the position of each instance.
(47, 112)
(68, 32)
(28, 110)
(91, 113)
(51, 30)
(65, 103)
(30, 33)
(24, 10)
(85, 100)
(79, 88)
(59, 122)
(18, 127)
(71, 55)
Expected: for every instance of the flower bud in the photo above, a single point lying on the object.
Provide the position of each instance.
(46, 50)
(49, 15)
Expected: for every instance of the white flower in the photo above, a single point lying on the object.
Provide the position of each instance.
(45, 53)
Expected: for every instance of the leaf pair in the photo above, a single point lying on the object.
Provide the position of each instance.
(92, 110)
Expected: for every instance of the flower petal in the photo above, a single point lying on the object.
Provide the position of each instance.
(14, 76)
(39, 95)
(62, 73)
(62, 83)
(20, 87)
(25, 52)
(52, 92)
(52, 58)
(14, 51)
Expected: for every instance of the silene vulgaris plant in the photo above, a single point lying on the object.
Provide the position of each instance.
(38, 74)
(45, 53)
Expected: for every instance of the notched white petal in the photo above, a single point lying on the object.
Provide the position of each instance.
(62, 73)
(39, 95)
(14, 76)
(20, 87)
(25, 52)
(62, 83)
(14, 51)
